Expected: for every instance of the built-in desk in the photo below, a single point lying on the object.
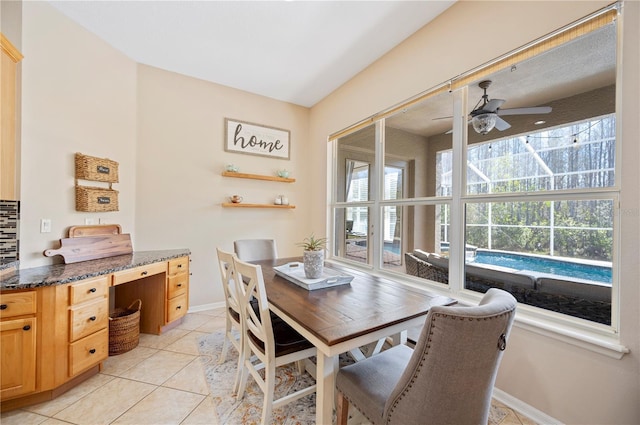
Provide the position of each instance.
(54, 320)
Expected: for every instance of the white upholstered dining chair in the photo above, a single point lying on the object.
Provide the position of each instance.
(447, 378)
(233, 327)
(267, 344)
(255, 249)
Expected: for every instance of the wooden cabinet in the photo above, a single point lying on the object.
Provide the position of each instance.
(17, 343)
(88, 324)
(9, 59)
(54, 337)
(177, 289)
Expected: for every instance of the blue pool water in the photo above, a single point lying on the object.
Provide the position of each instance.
(544, 265)
(393, 247)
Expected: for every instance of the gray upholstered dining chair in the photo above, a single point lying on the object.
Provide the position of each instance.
(268, 344)
(255, 249)
(447, 378)
(233, 326)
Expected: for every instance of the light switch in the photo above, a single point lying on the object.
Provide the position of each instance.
(45, 225)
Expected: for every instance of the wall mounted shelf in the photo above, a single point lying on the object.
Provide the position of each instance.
(257, 177)
(233, 205)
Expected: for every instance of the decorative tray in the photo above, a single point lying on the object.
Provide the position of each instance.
(294, 272)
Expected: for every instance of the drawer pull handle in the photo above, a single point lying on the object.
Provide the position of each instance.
(179, 266)
(92, 318)
(179, 307)
(92, 290)
(144, 273)
(26, 327)
(92, 351)
(179, 285)
(3, 307)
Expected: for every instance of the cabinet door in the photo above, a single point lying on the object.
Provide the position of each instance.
(18, 357)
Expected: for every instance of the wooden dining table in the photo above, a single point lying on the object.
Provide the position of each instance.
(342, 318)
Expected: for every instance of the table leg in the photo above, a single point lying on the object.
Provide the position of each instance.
(400, 338)
(325, 389)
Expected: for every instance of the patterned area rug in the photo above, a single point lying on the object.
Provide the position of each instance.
(232, 411)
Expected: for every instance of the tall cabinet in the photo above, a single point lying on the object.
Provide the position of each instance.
(8, 92)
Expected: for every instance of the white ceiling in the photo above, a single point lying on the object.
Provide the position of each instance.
(294, 51)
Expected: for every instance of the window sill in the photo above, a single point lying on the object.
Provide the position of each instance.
(607, 345)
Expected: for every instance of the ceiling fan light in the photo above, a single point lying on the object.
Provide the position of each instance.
(484, 123)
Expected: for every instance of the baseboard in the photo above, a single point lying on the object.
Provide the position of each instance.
(205, 307)
(520, 406)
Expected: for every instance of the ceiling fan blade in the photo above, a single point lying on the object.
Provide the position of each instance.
(502, 124)
(493, 105)
(525, 111)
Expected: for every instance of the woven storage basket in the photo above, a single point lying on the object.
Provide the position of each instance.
(124, 329)
(96, 199)
(96, 169)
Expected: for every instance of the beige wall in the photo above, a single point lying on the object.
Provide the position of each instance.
(10, 21)
(78, 95)
(571, 384)
(166, 131)
(180, 188)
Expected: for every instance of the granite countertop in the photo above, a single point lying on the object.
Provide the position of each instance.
(58, 274)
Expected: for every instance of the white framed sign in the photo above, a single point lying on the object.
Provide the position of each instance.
(256, 139)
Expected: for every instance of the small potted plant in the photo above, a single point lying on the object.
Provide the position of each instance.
(313, 256)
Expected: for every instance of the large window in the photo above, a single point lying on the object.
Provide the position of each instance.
(521, 195)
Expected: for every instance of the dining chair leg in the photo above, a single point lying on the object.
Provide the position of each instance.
(225, 343)
(244, 373)
(236, 383)
(342, 413)
(300, 367)
(269, 389)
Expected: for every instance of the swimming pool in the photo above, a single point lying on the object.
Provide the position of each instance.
(544, 265)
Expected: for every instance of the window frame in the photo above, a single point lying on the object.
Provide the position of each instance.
(597, 337)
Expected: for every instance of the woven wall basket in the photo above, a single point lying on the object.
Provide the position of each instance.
(96, 169)
(96, 199)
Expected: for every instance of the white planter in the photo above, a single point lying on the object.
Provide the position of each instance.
(313, 263)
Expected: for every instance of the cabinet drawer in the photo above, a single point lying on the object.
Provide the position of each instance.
(177, 285)
(138, 273)
(178, 265)
(176, 308)
(88, 352)
(17, 304)
(89, 289)
(88, 318)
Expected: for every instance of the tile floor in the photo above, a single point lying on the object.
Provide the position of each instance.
(159, 382)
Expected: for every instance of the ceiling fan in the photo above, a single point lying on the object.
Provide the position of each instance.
(486, 116)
